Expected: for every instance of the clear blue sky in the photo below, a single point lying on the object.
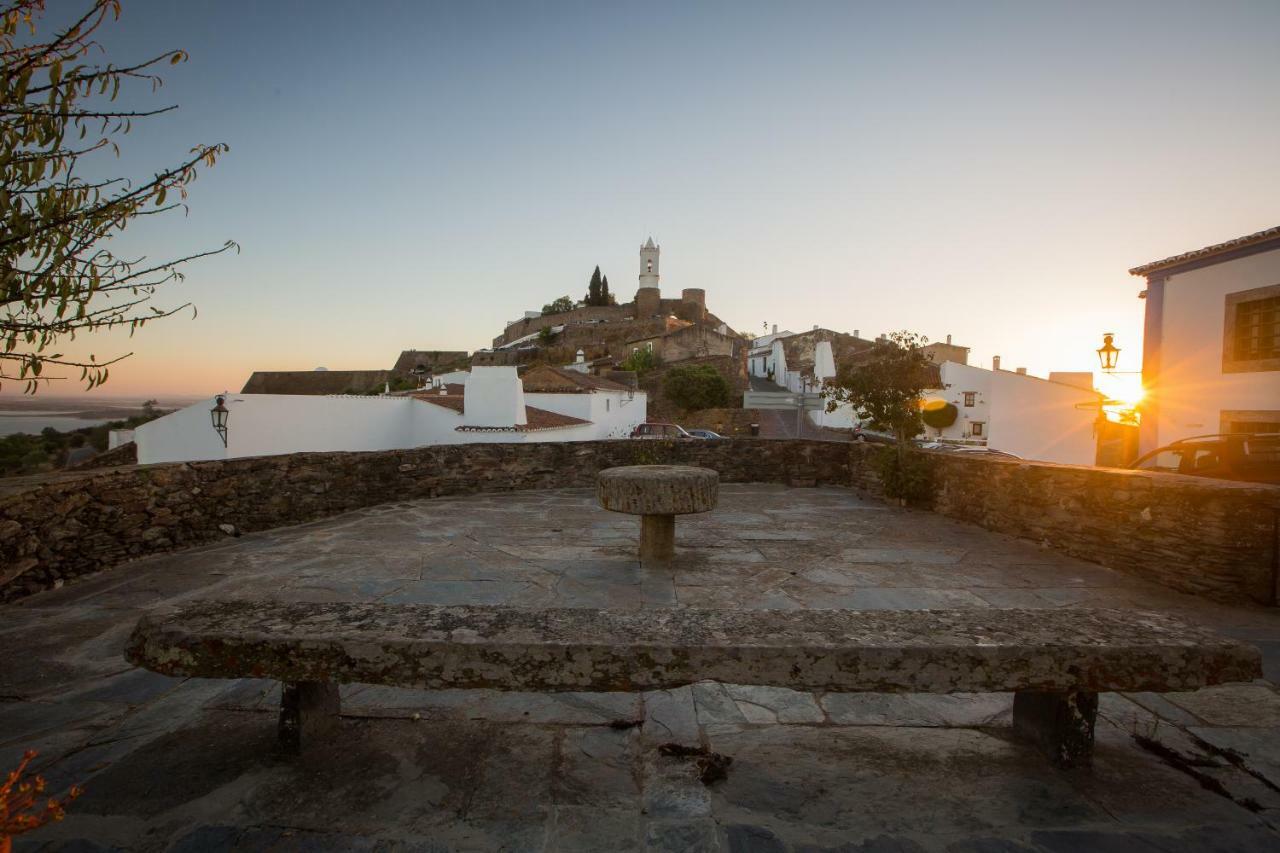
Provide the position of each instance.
(411, 174)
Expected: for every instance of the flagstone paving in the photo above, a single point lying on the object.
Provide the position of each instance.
(189, 765)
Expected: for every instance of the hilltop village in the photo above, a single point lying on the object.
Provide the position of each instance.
(594, 368)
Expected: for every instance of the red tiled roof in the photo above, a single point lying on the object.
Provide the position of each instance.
(1209, 251)
(537, 419)
(545, 379)
(452, 400)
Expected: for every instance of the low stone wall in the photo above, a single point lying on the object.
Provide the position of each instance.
(1207, 537)
(57, 529)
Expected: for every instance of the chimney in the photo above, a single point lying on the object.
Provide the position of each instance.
(995, 362)
(815, 327)
(775, 328)
(856, 333)
(582, 357)
(948, 340)
(1022, 371)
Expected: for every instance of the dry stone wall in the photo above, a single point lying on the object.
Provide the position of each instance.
(58, 529)
(1201, 536)
(1207, 537)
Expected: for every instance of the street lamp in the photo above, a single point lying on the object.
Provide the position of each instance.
(219, 415)
(1108, 353)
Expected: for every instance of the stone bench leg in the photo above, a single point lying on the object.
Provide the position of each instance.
(308, 711)
(1060, 724)
(657, 538)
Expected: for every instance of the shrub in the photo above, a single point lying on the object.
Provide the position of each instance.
(905, 476)
(939, 417)
(641, 361)
(696, 386)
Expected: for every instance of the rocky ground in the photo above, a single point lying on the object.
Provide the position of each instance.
(172, 764)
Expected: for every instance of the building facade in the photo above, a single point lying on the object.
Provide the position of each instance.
(1211, 341)
(491, 405)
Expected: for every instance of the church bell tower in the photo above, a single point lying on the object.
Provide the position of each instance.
(648, 297)
(649, 264)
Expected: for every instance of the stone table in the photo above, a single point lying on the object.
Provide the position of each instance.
(658, 493)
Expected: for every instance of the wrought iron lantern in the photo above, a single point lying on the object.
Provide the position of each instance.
(219, 415)
(1108, 353)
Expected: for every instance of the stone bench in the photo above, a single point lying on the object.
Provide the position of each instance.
(658, 493)
(1054, 661)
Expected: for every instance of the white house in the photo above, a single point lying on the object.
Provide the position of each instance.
(1025, 415)
(760, 358)
(1211, 341)
(494, 405)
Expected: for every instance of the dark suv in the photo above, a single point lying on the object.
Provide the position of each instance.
(1248, 457)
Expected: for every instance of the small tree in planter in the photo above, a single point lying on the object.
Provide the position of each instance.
(884, 387)
(939, 415)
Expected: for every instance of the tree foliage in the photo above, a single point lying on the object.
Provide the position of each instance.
(57, 124)
(564, 303)
(884, 386)
(598, 291)
(696, 386)
(641, 361)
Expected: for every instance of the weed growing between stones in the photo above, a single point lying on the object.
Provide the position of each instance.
(20, 810)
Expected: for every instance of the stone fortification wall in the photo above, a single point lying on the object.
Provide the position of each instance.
(1202, 536)
(530, 325)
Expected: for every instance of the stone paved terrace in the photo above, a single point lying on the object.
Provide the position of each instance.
(188, 765)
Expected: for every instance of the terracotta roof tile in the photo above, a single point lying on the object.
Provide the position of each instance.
(544, 379)
(1209, 251)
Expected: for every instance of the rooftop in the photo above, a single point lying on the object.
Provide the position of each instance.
(535, 418)
(1250, 240)
(188, 764)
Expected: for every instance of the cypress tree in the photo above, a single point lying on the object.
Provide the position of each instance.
(593, 289)
(606, 298)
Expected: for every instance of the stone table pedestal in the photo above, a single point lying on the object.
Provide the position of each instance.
(658, 493)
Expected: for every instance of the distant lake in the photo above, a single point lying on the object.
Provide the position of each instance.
(35, 422)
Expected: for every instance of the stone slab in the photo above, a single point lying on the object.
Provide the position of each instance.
(658, 489)
(939, 651)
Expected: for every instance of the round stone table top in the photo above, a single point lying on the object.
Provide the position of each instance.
(658, 489)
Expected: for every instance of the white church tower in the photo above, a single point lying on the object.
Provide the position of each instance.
(648, 296)
(649, 264)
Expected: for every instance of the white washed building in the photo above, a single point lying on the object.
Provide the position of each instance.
(1211, 341)
(1025, 415)
(492, 406)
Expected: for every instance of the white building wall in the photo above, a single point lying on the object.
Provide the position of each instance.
(1191, 389)
(1024, 415)
(183, 436)
(494, 398)
(269, 424)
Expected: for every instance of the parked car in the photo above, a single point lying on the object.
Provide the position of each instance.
(969, 449)
(1248, 457)
(660, 430)
(705, 433)
(863, 433)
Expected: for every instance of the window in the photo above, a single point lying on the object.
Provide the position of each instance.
(1254, 426)
(1251, 336)
(975, 428)
(1258, 329)
(970, 399)
(1163, 460)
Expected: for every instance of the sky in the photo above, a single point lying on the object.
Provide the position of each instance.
(413, 175)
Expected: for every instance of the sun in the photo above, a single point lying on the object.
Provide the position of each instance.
(1126, 390)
